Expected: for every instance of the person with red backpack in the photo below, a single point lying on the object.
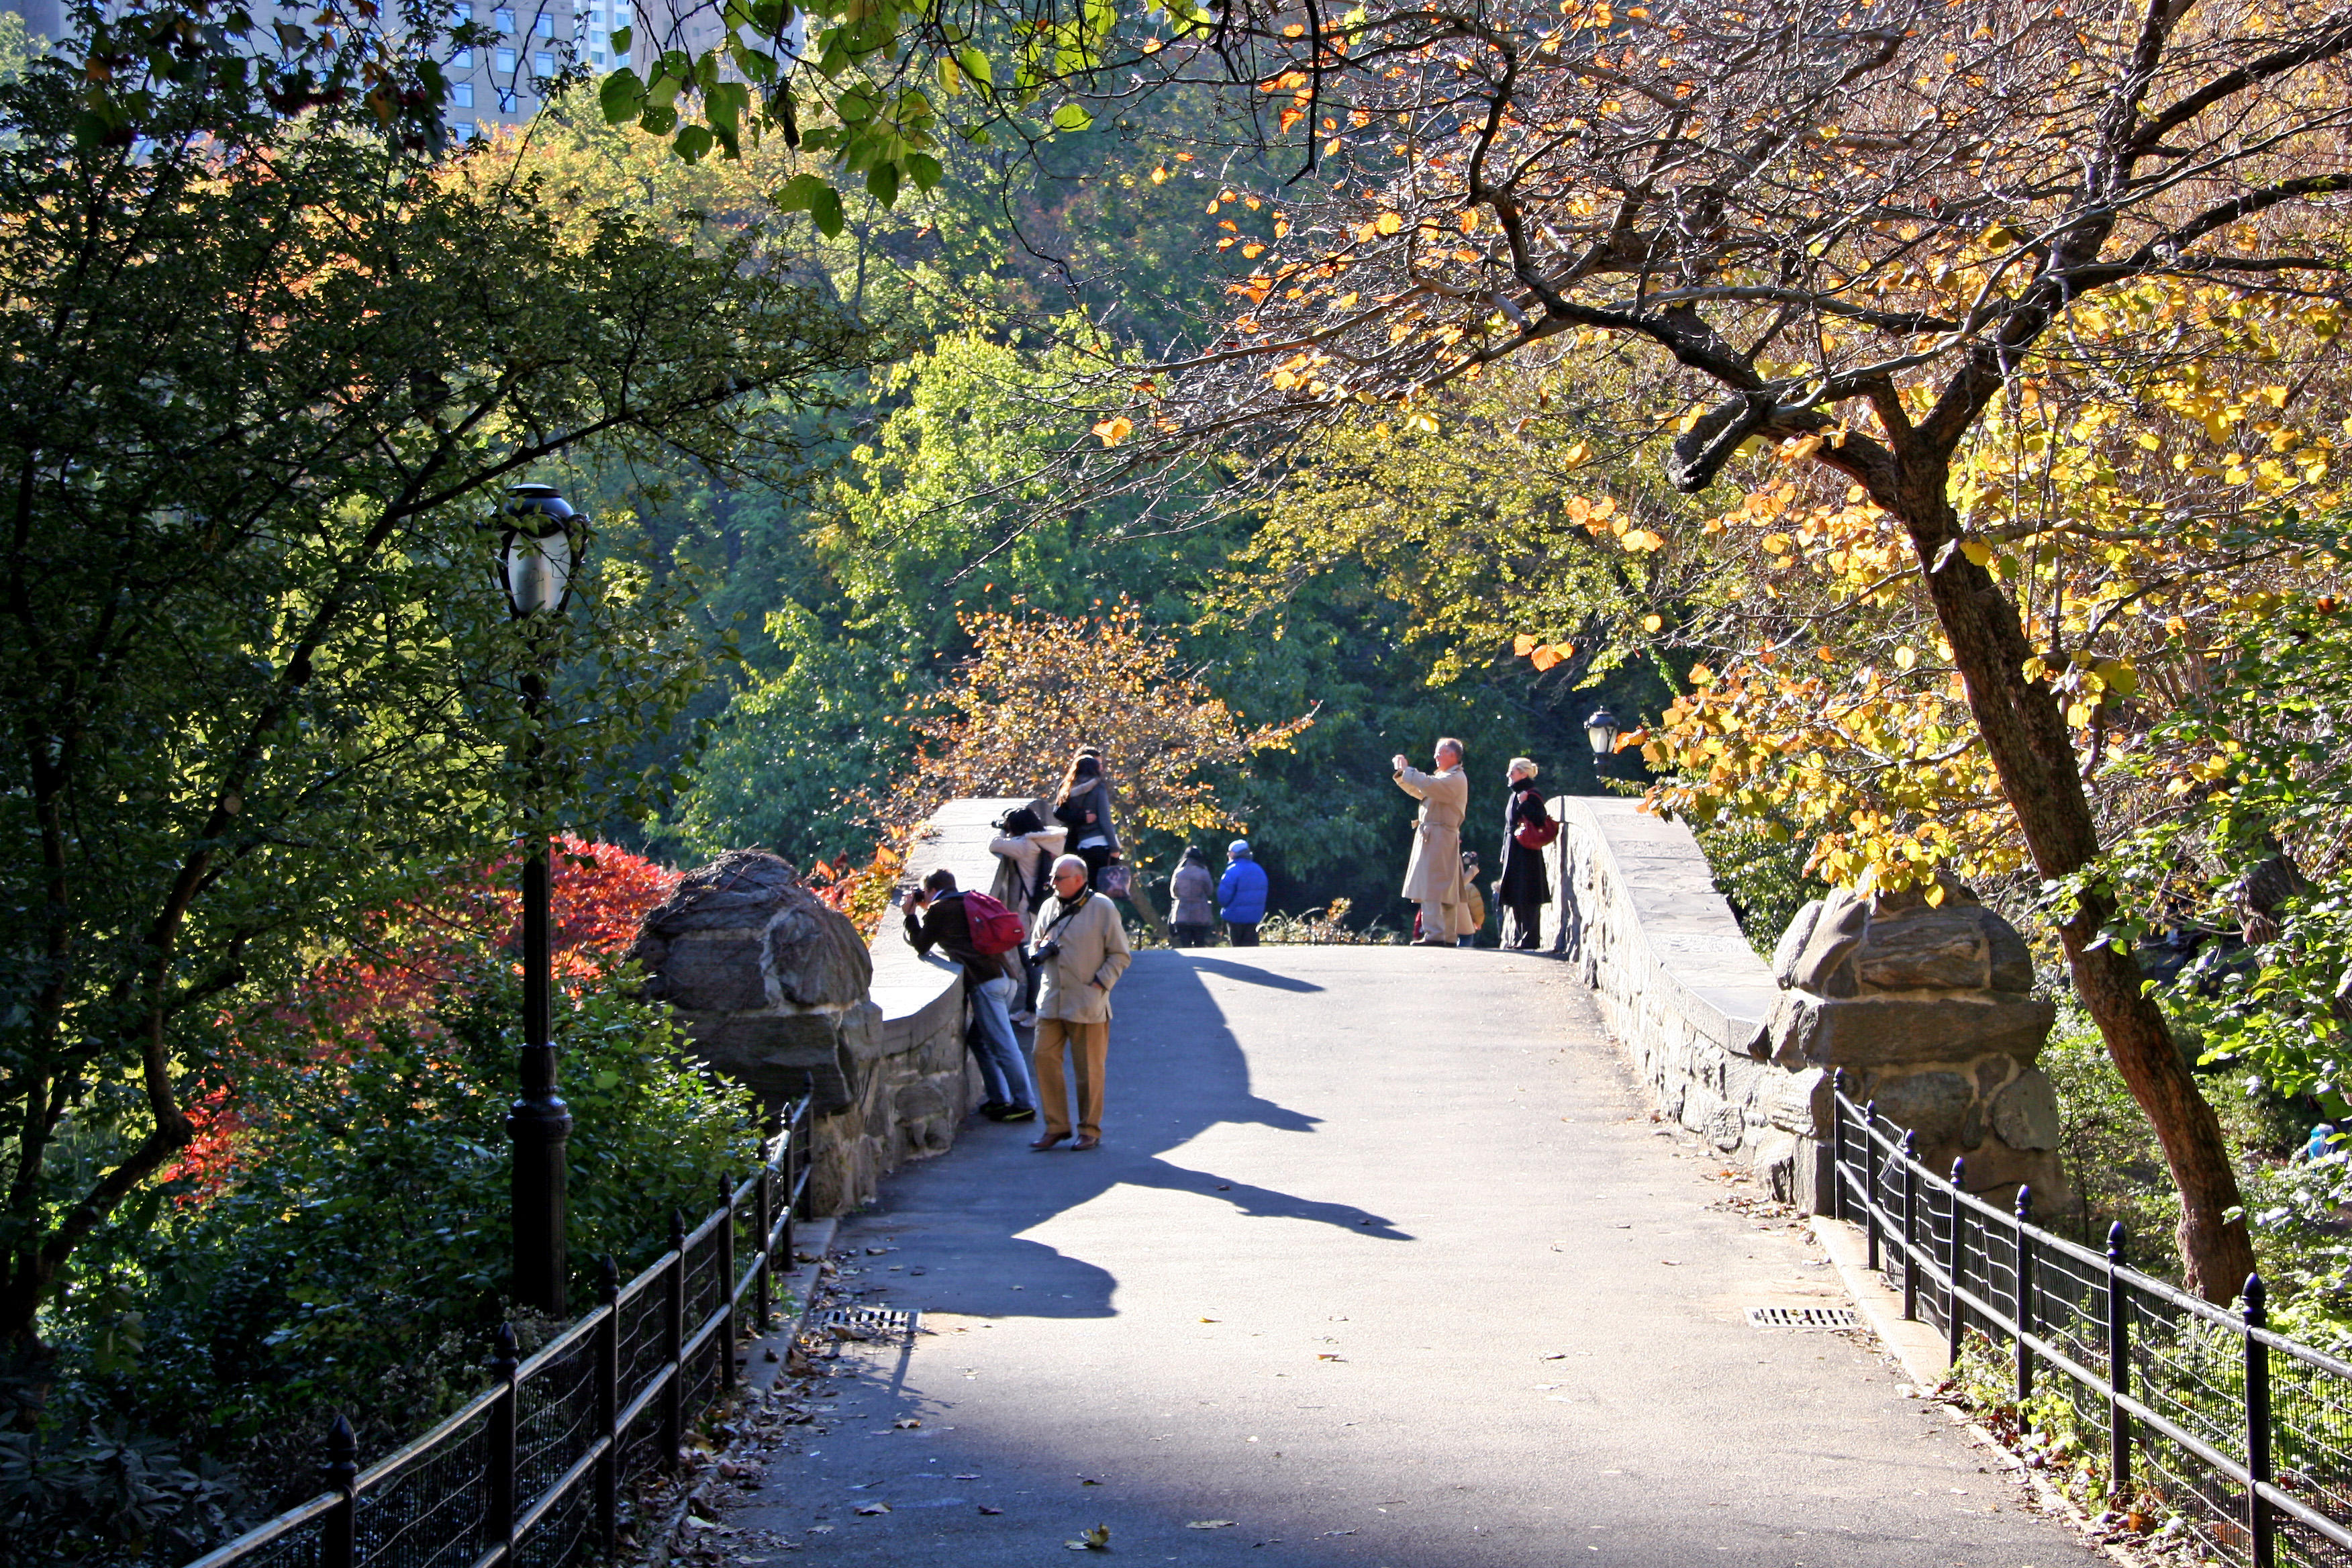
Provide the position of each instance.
(1524, 887)
(977, 932)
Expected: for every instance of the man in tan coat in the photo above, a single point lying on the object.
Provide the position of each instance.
(1082, 949)
(1434, 878)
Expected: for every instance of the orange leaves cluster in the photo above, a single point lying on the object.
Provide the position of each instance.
(1037, 687)
(413, 951)
(1544, 656)
(599, 893)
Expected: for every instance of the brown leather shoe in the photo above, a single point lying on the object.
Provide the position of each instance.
(1045, 1140)
(1086, 1142)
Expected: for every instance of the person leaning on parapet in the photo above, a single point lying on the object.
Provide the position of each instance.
(1028, 843)
(1082, 947)
(936, 918)
(1524, 887)
(1191, 891)
(1433, 879)
(1241, 893)
(1083, 805)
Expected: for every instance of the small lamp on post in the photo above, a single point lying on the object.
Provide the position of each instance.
(539, 543)
(1602, 731)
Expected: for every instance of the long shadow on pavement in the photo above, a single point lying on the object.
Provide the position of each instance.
(1176, 1071)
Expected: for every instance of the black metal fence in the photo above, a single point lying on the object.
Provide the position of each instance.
(2245, 1434)
(531, 1472)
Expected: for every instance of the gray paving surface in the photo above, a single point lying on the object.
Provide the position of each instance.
(1382, 1261)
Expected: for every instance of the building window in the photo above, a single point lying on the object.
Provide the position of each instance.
(504, 60)
(503, 19)
(461, 13)
(546, 24)
(508, 101)
(462, 94)
(596, 57)
(462, 60)
(543, 63)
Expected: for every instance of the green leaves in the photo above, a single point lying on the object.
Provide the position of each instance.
(811, 195)
(621, 96)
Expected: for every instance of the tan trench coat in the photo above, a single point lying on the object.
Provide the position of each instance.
(1434, 872)
(1095, 953)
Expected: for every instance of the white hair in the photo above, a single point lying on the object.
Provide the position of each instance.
(1521, 765)
(1069, 863)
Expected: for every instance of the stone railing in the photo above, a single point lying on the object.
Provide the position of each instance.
(777, 991)
(919, 1082)
(1925, 1006)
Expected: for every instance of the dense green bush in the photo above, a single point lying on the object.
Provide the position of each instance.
(355, 1261)
(1759, 867)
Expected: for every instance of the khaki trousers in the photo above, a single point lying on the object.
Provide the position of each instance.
(1090, 1049)
(1443, 923)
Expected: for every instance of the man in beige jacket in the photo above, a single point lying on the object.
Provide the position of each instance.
(1434, 878)
(1082, 949)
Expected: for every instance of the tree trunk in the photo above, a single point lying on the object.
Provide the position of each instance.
(1140, 897)
(2025, 732)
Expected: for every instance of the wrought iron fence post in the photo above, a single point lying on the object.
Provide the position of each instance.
(763, 1220)
(1954, 1251)
(1910, 1228)
(672, 1400)
(2024, 1317)
(499, 1525)
(2259, 1524)
(727, 1284)
(2118, 1366)
(1837, 1145)
(339, 1545)
(1870, 1180)
(608, 1406)
(796, 1156)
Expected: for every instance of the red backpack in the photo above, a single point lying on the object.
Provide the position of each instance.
(994, 928)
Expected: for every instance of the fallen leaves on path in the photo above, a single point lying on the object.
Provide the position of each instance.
(1094, 1540)
(1212, 1523)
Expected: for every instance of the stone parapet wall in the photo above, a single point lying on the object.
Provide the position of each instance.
(1926, 1008)
(915, 1082)
(1636, 908)
(777, 991)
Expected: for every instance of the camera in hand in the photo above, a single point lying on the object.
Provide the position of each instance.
(1047, 953)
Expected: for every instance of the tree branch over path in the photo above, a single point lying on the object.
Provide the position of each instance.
(1845, 229)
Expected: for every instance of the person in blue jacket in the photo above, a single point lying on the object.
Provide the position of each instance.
(1241, 895)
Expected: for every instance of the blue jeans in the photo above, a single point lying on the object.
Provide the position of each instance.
(1001, 1070)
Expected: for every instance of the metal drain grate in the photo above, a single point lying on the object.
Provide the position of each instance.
(1802, 1318)
(869, 1323)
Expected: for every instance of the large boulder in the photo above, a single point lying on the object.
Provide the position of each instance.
(1928, 1006)
(768, 982)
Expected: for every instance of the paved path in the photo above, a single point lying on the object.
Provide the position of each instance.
(1382, 1261)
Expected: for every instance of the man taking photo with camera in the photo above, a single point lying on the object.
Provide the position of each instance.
(1082, 949)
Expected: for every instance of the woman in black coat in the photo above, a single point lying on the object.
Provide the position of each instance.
(1526, 886)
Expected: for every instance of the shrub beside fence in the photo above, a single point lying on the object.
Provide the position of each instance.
(530, 1471)
(2247, 1434)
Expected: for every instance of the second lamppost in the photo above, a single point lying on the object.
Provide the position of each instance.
(1602, 731)
(539, 547)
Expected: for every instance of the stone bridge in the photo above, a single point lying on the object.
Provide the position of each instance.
(1396, 1258)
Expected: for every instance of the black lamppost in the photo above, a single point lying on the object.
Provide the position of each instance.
(538, 545)
(1602, 731)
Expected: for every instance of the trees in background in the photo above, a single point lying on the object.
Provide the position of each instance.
(1038, 687)
(263, 384)
(1958, 264)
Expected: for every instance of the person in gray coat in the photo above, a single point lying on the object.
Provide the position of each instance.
(1192, 894)
(1083, 805)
